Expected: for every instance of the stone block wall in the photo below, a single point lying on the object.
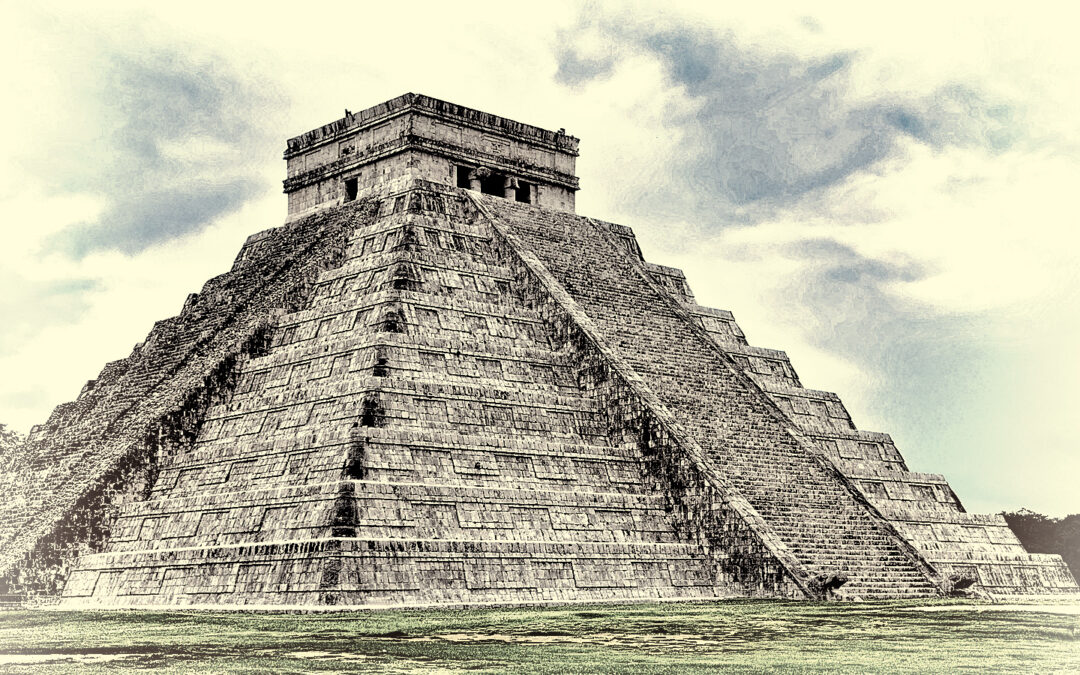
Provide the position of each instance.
(105, 449)
(436, 397)
(921, 507)
(415, 435)
(794, 500)
(426, 139)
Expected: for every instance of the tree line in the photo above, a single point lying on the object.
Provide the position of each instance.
(1042, 534)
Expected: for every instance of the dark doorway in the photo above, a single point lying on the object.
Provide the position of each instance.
(492, 185)
(524, 192)
(350, 189)
(463, 176)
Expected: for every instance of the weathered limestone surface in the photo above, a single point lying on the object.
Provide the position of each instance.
(436, 395)
(105, 449)
(920, 506)
(795, 501)
(416, 434)
(423, 138)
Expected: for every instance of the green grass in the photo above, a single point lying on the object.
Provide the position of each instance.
(738, 636)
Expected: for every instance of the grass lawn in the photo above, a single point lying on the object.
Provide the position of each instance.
(738, 636)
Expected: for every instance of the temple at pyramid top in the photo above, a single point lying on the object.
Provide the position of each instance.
(419, 137)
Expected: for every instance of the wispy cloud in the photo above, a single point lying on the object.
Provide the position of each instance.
(174, 139)
(138, 219)
(893, 211)
(768, 130)
(894, 234)
(133, 151)
(27, 306)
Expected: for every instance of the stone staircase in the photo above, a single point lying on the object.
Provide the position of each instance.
(920, 507)
(412, 438)
(818, 517)
(482, 402)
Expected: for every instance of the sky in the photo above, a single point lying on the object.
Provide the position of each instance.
(884, 192)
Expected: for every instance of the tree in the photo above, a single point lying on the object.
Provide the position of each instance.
(1041, 534)
(9, 440)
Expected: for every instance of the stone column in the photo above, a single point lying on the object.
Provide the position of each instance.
(476, 176)
(510, 186)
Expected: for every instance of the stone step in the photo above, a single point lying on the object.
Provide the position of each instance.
(395, 571)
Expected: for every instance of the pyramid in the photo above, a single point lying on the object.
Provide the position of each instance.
(435, 385)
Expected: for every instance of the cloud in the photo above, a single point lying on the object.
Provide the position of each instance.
(900, 234)
(901, 365)
(129, 125)
(575, 70)
(954, 316)
(139, 219)
(169, 136)
(837, 262)
(38, 304)
(136, 162)
(769, 131)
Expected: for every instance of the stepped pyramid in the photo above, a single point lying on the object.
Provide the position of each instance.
(437, 385)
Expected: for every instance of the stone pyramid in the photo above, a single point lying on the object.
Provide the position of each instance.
(437, 385)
